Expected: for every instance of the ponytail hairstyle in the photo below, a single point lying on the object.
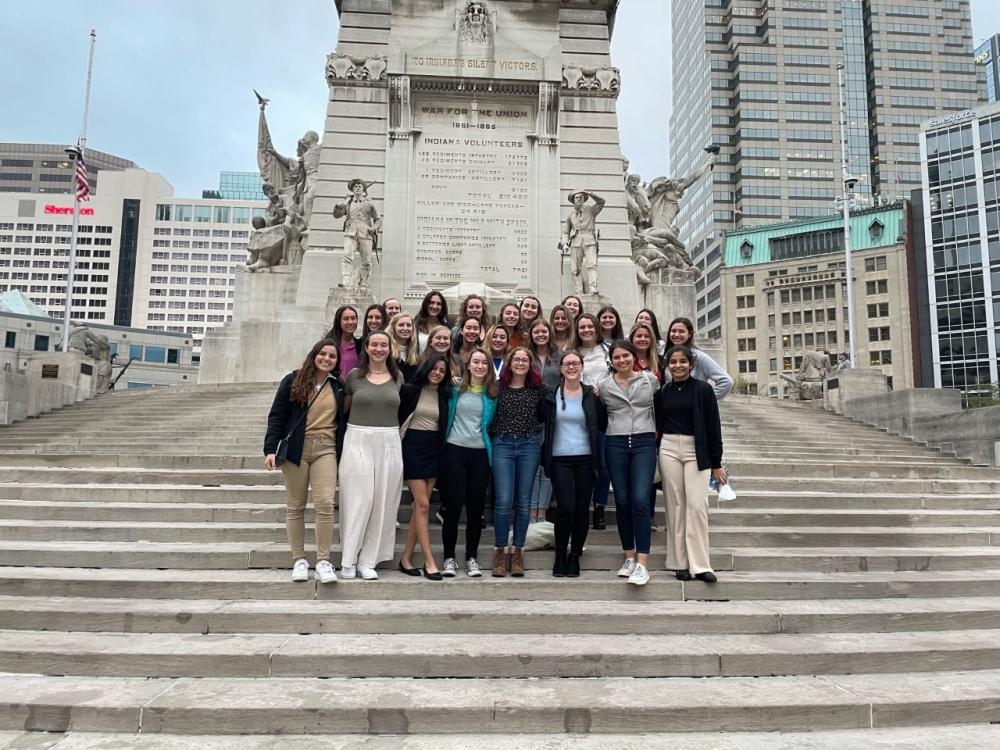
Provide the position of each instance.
(305, 377)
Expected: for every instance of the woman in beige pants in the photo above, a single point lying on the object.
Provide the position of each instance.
(687, 418)
(308, 413)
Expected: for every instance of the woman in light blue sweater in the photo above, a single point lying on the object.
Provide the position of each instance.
(681, 333)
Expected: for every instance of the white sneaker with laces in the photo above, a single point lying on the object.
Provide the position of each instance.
(325, 572)
(640, 576)
(627, 568)
(348, 571)
(367, 573)
(300, 570)
(450, 568)
(472, 568)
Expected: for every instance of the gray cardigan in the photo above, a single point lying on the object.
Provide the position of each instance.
(706, 368)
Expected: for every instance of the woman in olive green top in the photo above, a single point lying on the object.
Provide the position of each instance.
(371, 470)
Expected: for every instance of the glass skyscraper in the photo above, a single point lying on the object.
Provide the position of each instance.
(988, 55)
(759, 79)
(237, 186)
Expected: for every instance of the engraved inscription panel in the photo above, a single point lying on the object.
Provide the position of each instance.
(472, 193)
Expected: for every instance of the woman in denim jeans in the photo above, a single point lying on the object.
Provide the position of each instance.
(631, 454)
(517, 444)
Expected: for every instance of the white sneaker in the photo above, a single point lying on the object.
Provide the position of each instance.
(472, 568)
(367, 573)
(348, 571)
(300, 570)
(325, 572)
(640, 577)
(627, 569)
(450, 568)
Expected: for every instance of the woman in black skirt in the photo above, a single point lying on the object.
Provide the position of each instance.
(423, 413)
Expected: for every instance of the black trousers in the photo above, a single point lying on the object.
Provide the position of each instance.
(464, 472)
(573, 484)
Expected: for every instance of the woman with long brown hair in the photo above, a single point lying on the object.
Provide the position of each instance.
(308, 415)
(563, 336)
(433, 312)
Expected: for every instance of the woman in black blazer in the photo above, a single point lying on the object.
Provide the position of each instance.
(573, 418)
(423, 413)
(687, 418)
(308, 412)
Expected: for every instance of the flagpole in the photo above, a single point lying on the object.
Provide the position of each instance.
(77, 154)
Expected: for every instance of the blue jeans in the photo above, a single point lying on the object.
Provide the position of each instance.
(632, 462)
(603, 482)
(515, 461)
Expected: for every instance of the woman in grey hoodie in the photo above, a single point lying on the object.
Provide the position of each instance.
(681, 333)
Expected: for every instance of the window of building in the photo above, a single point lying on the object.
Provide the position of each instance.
(875, 263)
(10, 339)
(173, 356)
(879, 334)
(203, 214)
(241, 215)
(182, 213)
(163, 211)
(155, 354)
(135, 351)
(42, 342)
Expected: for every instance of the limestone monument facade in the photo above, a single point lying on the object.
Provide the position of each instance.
(469, 122)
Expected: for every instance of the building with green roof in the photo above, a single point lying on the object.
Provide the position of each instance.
(783, 292)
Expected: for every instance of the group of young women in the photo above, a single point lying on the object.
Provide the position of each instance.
(569, 405)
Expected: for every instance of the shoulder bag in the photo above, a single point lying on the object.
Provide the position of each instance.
(281, 452)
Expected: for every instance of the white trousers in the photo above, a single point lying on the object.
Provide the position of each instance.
(685, 490)
(371, 483)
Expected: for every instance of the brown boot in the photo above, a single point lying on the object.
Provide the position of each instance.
(516, 563)
(499, 562)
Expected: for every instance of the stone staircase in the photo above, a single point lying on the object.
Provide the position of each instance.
(145, 601)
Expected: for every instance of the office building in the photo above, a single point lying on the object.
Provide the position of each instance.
(784, 291)
(988, 56)
(760, 80)
(145, 259)
(239, 186)
(959, 225)
(44, 168)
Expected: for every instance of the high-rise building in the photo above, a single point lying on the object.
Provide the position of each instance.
(144, 258)
(784, 292)
(959, 224)
(44, 168)
(237, 186)
(759, 79)
(988, 55)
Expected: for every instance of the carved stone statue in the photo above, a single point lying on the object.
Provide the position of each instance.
(96, 346)
(474, 22)
(580, 240)
(361, 227)
(294, 178)
(807, 385)
(636, 201)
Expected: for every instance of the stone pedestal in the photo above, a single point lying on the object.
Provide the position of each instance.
(672, 295)
(594, 302)
(357, 298)
(845, 385)
(495, 298)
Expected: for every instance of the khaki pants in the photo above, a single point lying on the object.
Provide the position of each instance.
(318, 467)
(686, 491)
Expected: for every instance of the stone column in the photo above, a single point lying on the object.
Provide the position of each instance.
(672, 294)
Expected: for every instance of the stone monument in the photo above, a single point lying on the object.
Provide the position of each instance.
(807, 384)
(470, 120)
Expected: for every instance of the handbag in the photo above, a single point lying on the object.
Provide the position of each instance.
(281, 452)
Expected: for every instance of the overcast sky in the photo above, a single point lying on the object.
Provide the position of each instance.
(173, 80)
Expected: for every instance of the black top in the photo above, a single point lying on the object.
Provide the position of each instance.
(517, 411)
(409, 395)
(707, 429)
(407, 370)
(286, 414)
(594, 412)
(678, 409)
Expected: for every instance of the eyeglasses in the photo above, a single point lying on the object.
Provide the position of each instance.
(572, 365)
(520, 361)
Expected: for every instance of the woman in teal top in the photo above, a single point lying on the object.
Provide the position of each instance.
(466, 461)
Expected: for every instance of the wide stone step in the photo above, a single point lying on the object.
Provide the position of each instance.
(537, 585)
(174, 456)
(496, 706)
(457, 655)
(965, 736)
(87, 475)
(721, 535)
(145, 493)
(595, 617)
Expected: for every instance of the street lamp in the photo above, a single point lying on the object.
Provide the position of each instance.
(849, 183)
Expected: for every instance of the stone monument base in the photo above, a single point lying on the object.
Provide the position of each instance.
(339, 296)
(671, 295)
(269, 335)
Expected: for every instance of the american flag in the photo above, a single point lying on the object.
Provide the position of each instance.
(82, 183)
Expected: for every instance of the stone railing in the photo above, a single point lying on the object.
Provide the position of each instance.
(927, 415)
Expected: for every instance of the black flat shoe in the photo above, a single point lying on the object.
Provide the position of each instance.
(435, 576)
(599, 523)
(573, 566)
(408, 571)
(682, 575)
(708, 577)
